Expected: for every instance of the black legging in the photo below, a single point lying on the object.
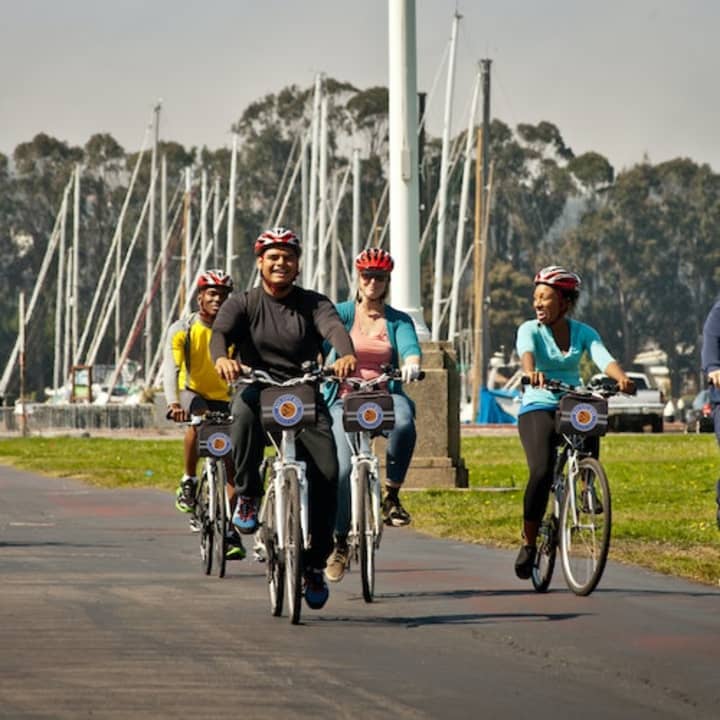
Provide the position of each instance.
(315, 445)
(540, 441)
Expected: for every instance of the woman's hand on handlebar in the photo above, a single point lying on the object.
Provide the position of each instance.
(536, 378)
(714, 378)
(343, 366)
(626, 385)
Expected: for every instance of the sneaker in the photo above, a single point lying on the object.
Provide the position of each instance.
(185, 496)
(337, 562)
(394, 513)
(524, 561)
(235, 549)
(315, 589)
(245, 516)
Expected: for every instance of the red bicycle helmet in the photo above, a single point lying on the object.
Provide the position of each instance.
(277, 237)
(558, 277)
(214, 278)
(374, 259)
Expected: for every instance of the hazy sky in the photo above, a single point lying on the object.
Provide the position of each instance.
(623, 78)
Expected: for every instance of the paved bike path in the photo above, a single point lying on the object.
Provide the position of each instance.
(104, 613)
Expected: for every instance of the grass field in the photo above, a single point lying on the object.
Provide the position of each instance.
(663, 489)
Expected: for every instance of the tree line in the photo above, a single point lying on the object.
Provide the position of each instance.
(642, 239)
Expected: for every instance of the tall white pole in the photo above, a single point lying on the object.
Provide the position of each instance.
(231, 208)
(76, 263)
(188, 231)
(118, 308)
(309, 254)
(304, 181)
(322, 198)
(150, 249)
(203, 211)
(67, 339)
(164, 294)
(464, 191)
(335, 239)
(21, 339)
(356, 206)
(442, 193)
(60, 298)
(404, 191)
(215, 216)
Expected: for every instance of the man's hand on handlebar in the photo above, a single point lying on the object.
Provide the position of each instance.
(343, 366)
(228, 369)
(176, 413)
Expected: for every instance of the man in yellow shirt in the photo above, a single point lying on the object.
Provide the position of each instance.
(192, 387)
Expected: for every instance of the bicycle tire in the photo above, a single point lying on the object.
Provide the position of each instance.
(202, 513)
(293, 546)
(366, 543)
(544, 564)
(221, 520)
(275, 565)
(584, 544)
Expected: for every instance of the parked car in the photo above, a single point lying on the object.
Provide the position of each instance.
(698, 417)
(634, 412)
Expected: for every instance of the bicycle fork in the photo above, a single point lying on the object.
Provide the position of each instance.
(364, 457)
(285, 461)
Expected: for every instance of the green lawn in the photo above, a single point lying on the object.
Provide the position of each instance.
(663, 490)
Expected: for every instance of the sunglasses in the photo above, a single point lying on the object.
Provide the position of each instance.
(379, 276)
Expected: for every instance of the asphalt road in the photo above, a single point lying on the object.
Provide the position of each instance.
(104, 613)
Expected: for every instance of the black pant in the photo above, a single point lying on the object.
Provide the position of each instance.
(540, 441)
(315, 446)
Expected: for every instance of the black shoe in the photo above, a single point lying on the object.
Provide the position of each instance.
(590, 499)
(524, 561)
(394, 513)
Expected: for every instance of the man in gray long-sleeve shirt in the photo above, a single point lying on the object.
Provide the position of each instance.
(277, 327)
(711, 368)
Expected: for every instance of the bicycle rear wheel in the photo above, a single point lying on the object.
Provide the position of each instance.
(221, 519)
(202, 515)
(366, 544)
(585, 524)
(293, 546)
(275, 565)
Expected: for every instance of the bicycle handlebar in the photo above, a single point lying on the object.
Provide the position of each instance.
(605, 390)
(388, 373)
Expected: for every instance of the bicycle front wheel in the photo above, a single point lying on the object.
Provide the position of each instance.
(221, 519)
(585, 523)
(544, 564)
(365, 535)
(293, 546)
(202, 517)
(275, 565)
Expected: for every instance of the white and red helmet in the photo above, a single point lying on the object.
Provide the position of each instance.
(374, 259)
(214, 278)
(558, 277)
(277, 237)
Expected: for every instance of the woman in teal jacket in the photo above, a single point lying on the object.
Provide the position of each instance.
(381, 335)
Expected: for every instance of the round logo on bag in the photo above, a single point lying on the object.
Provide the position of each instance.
(583, 417)
(219, 444)
(287, 410)
(369, 415)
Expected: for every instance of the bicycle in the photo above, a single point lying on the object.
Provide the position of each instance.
(579, 521)
(284, 516)
(367, 413)
(211, 516)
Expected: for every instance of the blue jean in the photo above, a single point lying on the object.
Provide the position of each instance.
(401, 443)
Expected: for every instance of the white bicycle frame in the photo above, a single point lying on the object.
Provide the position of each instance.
(285, 460)
(209, 470)
(362, 455)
